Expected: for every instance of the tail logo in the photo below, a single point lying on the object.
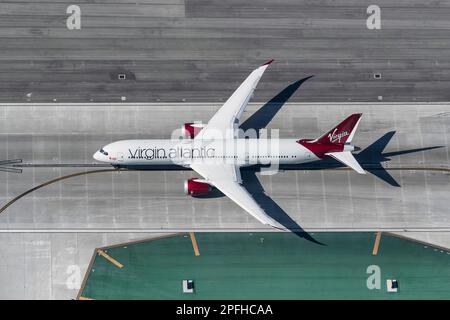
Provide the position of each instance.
(337, 137)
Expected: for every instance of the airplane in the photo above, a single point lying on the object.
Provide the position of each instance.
(217, 150)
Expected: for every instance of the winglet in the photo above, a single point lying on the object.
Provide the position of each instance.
(267, 62)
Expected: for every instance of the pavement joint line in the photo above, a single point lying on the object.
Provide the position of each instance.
(109, 258)
(222, 229)
(376, 245)
(208, 104)
(194, 244)
(8, 204)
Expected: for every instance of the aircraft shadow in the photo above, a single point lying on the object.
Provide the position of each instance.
(254, 187)
(214, 193)
(370, 159)
(261, 118)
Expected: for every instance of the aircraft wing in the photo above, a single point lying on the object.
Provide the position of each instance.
(227, 117)
(227, 178)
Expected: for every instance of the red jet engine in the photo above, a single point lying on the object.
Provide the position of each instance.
(191, 129)
(194, 187)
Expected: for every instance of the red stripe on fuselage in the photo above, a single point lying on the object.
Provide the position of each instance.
(319, 149)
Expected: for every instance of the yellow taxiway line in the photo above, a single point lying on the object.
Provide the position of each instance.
(109, 258)
(50, 182)
(376, 245)
(194, 243)
(9, 203)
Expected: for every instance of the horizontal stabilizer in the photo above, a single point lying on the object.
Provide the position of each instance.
(347, 158)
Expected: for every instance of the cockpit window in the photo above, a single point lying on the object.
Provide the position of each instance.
(104, 152)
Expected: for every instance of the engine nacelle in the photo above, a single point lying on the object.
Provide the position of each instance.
(191, 129)
(195, 188)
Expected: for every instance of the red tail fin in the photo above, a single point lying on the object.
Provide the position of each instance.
(343, 132)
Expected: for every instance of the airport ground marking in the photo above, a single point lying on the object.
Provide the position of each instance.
(110, 259)
(7, 205)
(373, 22)
(194, 244)
(73, 21)
(376, 245)
(85, 298)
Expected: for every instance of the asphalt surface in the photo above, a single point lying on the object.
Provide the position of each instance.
(197, 50)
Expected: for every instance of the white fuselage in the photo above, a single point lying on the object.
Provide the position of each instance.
(242, 152)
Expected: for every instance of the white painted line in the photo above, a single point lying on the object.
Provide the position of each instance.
(179, 230)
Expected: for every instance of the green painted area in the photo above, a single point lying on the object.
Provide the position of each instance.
(274, 265)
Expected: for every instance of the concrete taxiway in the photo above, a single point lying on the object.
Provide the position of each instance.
(50, 266)
(48, 235)
(55, 140)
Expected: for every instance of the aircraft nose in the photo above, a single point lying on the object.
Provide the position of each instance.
(97, 156)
